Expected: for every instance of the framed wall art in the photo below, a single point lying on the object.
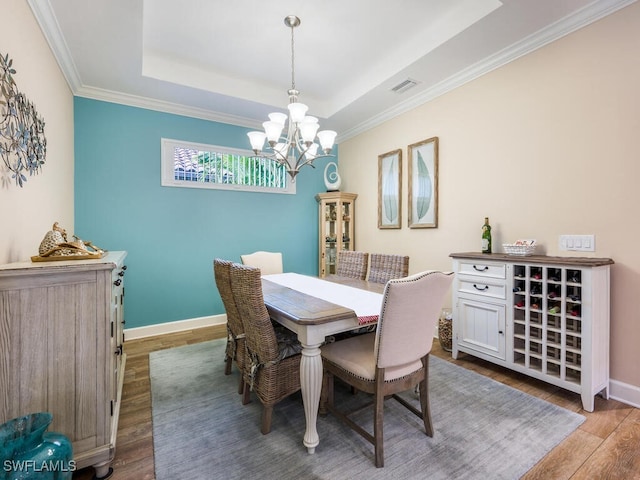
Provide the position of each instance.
(423, 183)
(389, 189)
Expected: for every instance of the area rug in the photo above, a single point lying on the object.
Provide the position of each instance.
(483, 429)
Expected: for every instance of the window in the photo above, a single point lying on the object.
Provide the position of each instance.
(195, 165)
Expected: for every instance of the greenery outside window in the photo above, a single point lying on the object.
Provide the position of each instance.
(197, 165)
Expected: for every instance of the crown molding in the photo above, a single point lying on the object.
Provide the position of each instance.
(585, 16)
(165, 107)
(43, 13)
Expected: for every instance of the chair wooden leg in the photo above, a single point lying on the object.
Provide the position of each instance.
(246, 394)
(326, 394)
(378, 422)
(424, 399)
(227, 367)
(267, 410)
(241, 385)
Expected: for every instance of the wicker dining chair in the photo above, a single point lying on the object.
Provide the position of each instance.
(235, 351)
(393, 359)
(273, 368)
(352, 264)
(384, 267)
(267, 262)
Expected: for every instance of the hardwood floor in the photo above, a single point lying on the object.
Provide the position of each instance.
(605, 446)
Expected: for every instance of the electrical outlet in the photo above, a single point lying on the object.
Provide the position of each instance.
(578, 243)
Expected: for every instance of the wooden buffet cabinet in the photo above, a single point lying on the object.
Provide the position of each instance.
(61, 338)
(336, 217)
(546, 317)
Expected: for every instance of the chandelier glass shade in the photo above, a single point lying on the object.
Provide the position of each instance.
(292, 138)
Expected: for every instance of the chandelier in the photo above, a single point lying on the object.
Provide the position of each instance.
(298, 148)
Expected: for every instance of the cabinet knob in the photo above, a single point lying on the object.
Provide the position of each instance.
(482, 269)
(482, 289)
(117, 282)
(500, 332)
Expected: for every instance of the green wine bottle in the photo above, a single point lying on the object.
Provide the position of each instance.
(486, 236)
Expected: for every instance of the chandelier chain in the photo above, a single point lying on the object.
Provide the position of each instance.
(293, 78)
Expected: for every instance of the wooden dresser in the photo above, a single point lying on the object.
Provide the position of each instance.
(61, 336)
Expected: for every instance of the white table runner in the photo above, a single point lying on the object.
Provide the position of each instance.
(365, 304)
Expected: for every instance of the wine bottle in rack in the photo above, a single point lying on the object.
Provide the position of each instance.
(486, 236)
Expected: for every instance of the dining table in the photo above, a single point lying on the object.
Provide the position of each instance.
(316, 308)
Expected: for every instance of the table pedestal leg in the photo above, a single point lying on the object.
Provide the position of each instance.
(311, 385)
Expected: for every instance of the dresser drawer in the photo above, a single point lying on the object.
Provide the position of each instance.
(478, 286)
(479, 269)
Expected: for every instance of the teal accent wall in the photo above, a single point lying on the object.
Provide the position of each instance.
(173, 234)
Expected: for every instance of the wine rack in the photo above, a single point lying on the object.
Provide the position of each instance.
(556, 324)
(547, 322)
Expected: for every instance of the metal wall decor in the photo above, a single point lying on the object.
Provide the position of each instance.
(23, 146)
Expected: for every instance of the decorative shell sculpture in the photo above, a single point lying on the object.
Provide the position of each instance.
(332, 181)
(55, 244)
(56, 236)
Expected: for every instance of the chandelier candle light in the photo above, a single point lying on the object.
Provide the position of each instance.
(298, 148)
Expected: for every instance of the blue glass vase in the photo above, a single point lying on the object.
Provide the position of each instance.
(28, 452)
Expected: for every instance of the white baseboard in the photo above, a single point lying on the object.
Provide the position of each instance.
(625, 393)
(174, 327)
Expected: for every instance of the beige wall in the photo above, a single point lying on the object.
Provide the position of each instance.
(546, 145)
(27, 213)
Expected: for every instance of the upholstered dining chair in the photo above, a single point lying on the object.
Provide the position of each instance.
(352, 264)
(267, 262)
(395, 357)
(273, 365)
(383, 267)
(235, 351)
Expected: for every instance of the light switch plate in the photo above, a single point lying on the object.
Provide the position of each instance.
(578, 243)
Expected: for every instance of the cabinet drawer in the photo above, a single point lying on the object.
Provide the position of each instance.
(477, 286)
(479, 269)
